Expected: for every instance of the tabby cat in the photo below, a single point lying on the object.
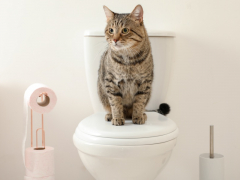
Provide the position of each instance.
(126, 69)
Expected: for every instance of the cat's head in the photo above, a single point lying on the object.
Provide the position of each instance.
(124, 31)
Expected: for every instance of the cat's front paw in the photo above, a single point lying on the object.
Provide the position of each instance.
(139, 119)
(118, 121)
(108, 117)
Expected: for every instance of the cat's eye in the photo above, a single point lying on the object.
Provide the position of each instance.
(125, 30)
(111, 31)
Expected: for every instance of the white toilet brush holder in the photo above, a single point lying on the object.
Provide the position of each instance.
(211, 165)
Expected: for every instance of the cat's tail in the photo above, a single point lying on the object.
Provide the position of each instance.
(164, 109)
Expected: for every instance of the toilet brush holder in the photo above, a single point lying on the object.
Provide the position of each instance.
(211, 165)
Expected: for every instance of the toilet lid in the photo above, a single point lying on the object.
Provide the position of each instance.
(157, 129)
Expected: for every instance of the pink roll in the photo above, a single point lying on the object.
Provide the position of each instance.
(39, 178)
(39, 163)
(33, 92)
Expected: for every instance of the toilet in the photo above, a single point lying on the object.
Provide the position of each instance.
(131, 151)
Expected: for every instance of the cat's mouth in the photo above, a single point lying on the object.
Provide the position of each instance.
(117, 45)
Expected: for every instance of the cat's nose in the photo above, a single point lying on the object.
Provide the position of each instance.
(115, 40)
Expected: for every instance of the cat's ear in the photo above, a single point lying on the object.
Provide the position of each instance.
(137, 13)
(109, 14)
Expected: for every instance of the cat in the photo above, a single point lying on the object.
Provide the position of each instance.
(125, 74)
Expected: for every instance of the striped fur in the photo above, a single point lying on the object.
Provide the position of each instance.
(126, 70)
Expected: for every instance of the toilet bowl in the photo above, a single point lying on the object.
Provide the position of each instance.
(129, 152)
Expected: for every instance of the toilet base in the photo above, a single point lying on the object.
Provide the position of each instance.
(106, 162)
(137, 168)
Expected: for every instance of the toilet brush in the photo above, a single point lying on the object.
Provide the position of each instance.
(211, 165)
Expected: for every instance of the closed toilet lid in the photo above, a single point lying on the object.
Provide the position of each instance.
(157, 129)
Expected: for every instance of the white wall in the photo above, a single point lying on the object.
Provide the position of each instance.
(42, 41)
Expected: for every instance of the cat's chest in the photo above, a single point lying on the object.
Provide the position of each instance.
(127, 72)
(128, 87)
(124, 69)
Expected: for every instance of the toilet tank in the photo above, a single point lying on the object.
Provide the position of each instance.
(162, 50)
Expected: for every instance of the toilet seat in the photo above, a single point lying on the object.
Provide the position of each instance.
(157, 129)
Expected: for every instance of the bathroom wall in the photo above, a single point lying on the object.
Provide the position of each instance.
(42, 41)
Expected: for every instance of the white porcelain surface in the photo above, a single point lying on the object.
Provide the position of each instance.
(126, 142)
(162, 47)
(107, 162)
(156, 125)
(157, 129)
